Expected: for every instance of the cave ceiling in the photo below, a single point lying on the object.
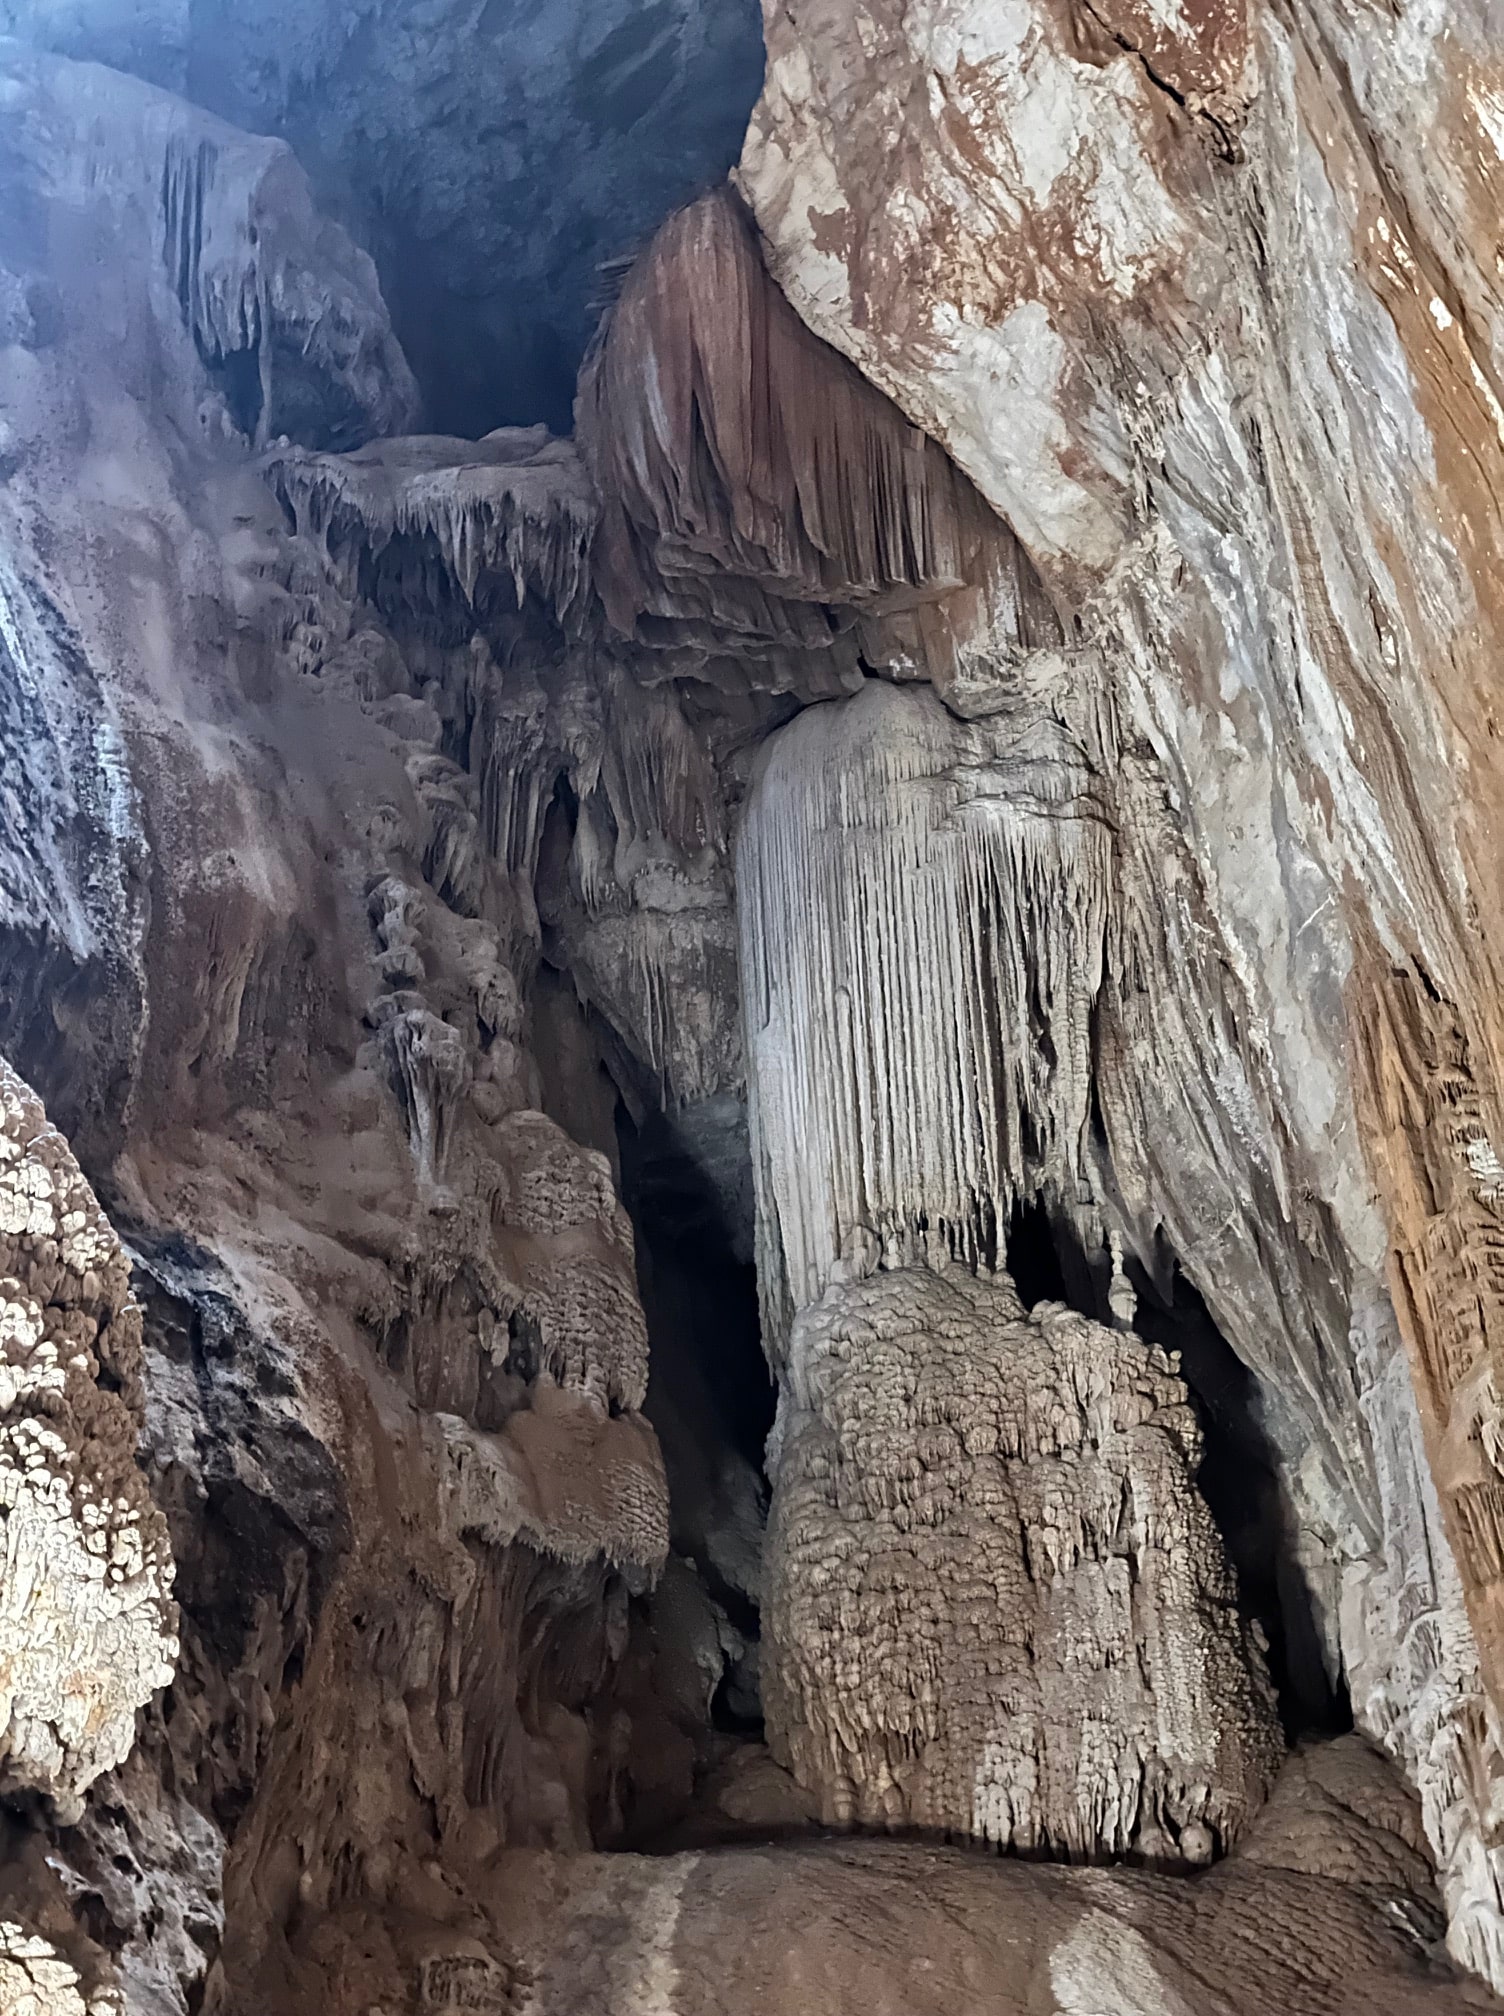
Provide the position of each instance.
(492, 155)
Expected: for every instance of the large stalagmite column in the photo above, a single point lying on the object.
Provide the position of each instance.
(995, 1601)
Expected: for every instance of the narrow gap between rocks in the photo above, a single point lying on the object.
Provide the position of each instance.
(1239, 1479)
(686, 1181)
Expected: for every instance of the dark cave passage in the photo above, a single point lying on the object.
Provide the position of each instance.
(686, 1181)
(1240, 1481)
(541, 145)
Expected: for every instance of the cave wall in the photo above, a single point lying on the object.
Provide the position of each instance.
(392, 1354)
(966, 721)
(1209, 311)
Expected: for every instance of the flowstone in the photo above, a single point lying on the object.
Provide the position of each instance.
(995, 1602)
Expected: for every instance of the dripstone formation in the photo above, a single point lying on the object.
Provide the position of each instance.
(774, 1123)
(996, 1603)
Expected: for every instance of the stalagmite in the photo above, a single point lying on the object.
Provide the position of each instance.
(973, 1620)
(996, 1603)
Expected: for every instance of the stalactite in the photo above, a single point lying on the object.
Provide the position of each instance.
(762, 500)
(514, 509)
(430, 1069)
(922, 912)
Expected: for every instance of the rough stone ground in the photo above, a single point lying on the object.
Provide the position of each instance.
(1310, 1921)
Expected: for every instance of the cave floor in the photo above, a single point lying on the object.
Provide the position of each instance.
(903, 1928)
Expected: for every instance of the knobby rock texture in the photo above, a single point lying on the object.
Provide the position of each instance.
(966, 781)
(996, 1603)
(86, 1614)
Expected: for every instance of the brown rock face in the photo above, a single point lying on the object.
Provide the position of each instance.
(967, 782)
(1299, 1919)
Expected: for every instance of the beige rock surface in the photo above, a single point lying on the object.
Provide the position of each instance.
(1081, 829)
(87, 1621)
(996, 1603)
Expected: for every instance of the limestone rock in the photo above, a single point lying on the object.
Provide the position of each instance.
(1222, 348)
(36, 1980)
(996, 1602)
(87, 1622)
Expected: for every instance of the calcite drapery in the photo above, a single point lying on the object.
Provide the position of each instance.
(923, 906)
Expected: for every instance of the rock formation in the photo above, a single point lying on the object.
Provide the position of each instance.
(996, 1603)
(623, 110)
(837, 1924)
(965, 780)
(86, 1614)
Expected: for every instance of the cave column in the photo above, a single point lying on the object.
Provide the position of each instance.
(994, 1600)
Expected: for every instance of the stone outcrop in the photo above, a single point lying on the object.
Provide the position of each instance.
(949, 781)
(87, 1622)
(996, 1603)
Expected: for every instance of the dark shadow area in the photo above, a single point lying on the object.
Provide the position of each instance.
(1048, 1263)
(686, 1180)
(491, 157)
(1239, 1478)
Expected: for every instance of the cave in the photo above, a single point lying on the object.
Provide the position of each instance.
(748, 1088)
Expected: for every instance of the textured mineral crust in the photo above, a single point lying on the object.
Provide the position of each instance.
(87, 1622)
(966, 787)
(996, 1603)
